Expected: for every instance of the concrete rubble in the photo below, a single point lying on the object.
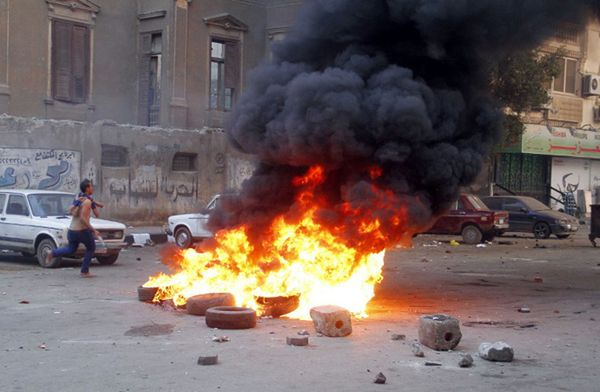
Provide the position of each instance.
(417, 350)
(496, 352)
(466, 361)
(380, 379)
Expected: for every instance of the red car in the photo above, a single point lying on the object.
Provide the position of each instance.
(472, 219)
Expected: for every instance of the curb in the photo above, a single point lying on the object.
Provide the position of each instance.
(156, 238)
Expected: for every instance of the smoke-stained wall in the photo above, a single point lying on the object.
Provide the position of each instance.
(131, 166)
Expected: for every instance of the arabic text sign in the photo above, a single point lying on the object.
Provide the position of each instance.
(538, 139)
(28, 168)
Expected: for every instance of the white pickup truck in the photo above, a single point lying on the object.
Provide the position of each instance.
(189, 228)
(35, 222)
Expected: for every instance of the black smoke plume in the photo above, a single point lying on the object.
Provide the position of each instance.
(398, 84)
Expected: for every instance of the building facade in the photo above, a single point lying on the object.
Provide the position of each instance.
(560, 149)
(168, 63)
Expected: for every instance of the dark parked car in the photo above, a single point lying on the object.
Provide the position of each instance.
(472, 219)
(528, 215)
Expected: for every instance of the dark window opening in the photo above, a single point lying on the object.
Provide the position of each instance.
(183, 162)
(150, 71)
(224, 74)
(565, 82)
(17, 205)
(70, 61)
(114, 156)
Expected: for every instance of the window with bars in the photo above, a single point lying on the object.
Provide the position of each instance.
(184, 162)
(566, 81)
(70, 61)
(224, 74)
(114, 156)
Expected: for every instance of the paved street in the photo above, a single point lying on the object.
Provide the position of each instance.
(93, 335)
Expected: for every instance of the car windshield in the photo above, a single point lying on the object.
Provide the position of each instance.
(477, 203)
(50, 204)
(534, 205)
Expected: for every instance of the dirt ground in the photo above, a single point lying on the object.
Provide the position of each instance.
(93, 335)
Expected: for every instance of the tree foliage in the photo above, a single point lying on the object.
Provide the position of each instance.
(521, 83)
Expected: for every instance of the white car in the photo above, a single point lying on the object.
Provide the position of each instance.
(189, 228)
(34, 222)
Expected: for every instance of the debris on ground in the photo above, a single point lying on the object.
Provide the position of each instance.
(439, 332)
(538, 279)
(524, 309)
(417, 350)
(481, 246)
(496, 352)
(454, 243)
(396, 336)
(380, 379)
(24, 301)
(433, 364)
(304, 332)
(433, 244)
(466, 361)
(299, 341)
(208, 360)
(43, 346)
(221, 339)
(332, 321)
(424, 260)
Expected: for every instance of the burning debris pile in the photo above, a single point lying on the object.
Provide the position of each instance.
(368, 120)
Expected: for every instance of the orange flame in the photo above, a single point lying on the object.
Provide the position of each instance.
(292, 257)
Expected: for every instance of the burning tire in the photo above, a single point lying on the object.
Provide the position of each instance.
(230, 317)
(199, 304)
(146, 294)
(278, 306)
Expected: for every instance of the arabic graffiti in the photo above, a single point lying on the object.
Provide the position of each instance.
(29, 168)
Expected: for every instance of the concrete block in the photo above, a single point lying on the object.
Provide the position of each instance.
(297, 340)
(332, 321)
(439, 332)
(208, 360)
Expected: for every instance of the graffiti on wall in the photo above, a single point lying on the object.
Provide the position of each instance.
(239, 170)
(48, 169)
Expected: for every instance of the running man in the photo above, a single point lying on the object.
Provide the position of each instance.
(80, 230)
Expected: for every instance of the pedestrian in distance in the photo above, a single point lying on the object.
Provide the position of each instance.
(80, 230)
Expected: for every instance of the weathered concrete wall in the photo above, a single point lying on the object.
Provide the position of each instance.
(49, 154)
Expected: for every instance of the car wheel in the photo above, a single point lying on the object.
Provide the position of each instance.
(199, 304)
(542, 230)
(183, 238)
(472, 235)
(563, 236)
(230, 317)
(44, 247)
(107, 260)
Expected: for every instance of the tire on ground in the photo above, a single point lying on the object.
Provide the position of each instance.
(472, 234)
(108, 259)
(146, 294)
(47, 245)
(230, 317)
(199, 304)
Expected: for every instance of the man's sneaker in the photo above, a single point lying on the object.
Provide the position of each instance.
(86, 275)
